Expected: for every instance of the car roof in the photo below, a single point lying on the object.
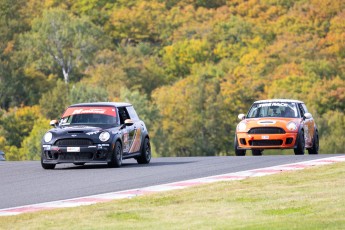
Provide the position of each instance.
(278, 100)
(116, 104)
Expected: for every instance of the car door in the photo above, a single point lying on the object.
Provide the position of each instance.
(127, 131)
(136, 130)
(131, 133)
(308, 126)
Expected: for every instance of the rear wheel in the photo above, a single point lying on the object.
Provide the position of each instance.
(256, 152)
(145, 156)
(315, 148)
(46, 166)
(238, 152)
(300, 144)
(116, 156)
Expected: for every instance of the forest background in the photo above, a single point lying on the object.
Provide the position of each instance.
(188, 66)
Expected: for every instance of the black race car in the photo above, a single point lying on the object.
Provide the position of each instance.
(103, 132)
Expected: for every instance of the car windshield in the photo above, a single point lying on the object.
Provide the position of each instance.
(273, 109)
(87, 115)
(88, 119)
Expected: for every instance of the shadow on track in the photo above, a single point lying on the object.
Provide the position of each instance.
(124, 165)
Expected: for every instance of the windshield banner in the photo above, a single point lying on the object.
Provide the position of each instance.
(90, 110)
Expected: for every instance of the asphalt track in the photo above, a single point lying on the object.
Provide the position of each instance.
(24, 183)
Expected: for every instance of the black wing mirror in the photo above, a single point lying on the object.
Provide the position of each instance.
(129, 122)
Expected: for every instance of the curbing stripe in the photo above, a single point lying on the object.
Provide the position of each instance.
(106, 197)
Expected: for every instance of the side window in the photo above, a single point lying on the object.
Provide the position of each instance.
(305, 108)
(301, 109)
(132, 114)
(123, 115)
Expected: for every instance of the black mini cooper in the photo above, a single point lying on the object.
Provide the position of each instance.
(103, 132)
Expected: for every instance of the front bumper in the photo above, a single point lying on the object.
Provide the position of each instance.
(266, 141)
(100, 153)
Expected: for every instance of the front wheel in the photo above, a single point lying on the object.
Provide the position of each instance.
(300, 144)
(46, 166)
(116, 156)
(145, 156)
(238, 152)
(315, 148)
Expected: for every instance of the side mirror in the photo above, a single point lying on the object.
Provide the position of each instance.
(308, 115)
(53, 123)
(129, 122)
(241, 116)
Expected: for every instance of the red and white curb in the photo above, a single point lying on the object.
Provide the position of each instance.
(88, 200)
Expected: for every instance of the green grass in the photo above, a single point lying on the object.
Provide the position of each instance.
(307, 199)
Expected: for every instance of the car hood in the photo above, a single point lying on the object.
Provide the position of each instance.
(65, 130)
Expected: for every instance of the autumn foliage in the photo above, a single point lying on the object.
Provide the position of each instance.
(189, 67)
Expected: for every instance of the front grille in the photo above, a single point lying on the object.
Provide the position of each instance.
(76, 156)
(73, 142)
(266, 130)
(265, 142)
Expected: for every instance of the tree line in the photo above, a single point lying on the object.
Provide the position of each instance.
(188, 66)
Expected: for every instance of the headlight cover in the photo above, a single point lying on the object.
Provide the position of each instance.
(104, 136)
(292, 126)
(241, 127)
(48, 137)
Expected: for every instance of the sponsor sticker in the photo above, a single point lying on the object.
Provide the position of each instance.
(73, 149)
(92, 133)
(273, 104)
(89, 110)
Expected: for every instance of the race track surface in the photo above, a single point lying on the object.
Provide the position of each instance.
(24, 183)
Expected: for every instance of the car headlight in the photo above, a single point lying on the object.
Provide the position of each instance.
(241, 127)
(48, 137)
(292, 126)
(104, 136)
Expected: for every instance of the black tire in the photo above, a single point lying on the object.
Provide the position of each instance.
(116, 156)
(238, 152)
(315, 148)
(47, 166)
(79, 164)
(145, 156)
(300, 144)
(256, 152)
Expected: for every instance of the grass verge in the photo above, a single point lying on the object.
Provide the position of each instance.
(307, 199)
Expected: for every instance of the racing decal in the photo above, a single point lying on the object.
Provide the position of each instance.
(135, 147)
(90, 110)
(266, 122)
(93, 133)
(125, 140)
(273, 104)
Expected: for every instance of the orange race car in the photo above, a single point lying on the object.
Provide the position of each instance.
(276, 124)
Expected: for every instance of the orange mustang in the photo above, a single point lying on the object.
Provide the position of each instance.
(276, 124)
